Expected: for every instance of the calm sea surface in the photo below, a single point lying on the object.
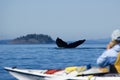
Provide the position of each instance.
(47, 56)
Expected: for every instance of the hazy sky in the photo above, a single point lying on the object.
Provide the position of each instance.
(68, 19)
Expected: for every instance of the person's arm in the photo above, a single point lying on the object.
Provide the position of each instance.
(102, 61)
(111, 44)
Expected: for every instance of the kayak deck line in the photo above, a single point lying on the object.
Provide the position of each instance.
(31, 74)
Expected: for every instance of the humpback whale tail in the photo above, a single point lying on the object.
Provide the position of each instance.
(63, 44)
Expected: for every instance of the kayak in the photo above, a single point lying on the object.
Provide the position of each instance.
(69, 73)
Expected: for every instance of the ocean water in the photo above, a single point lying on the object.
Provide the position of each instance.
(47, 56)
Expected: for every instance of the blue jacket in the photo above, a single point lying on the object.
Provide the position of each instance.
(108, 57)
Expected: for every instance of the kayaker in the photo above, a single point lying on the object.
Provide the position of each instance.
(109, 56)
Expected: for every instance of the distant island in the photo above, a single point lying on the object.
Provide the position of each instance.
(33, 39)
(45, 39)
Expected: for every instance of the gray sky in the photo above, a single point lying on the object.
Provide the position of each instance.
(68, 19)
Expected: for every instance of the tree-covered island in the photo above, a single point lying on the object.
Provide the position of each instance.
(33, 39)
